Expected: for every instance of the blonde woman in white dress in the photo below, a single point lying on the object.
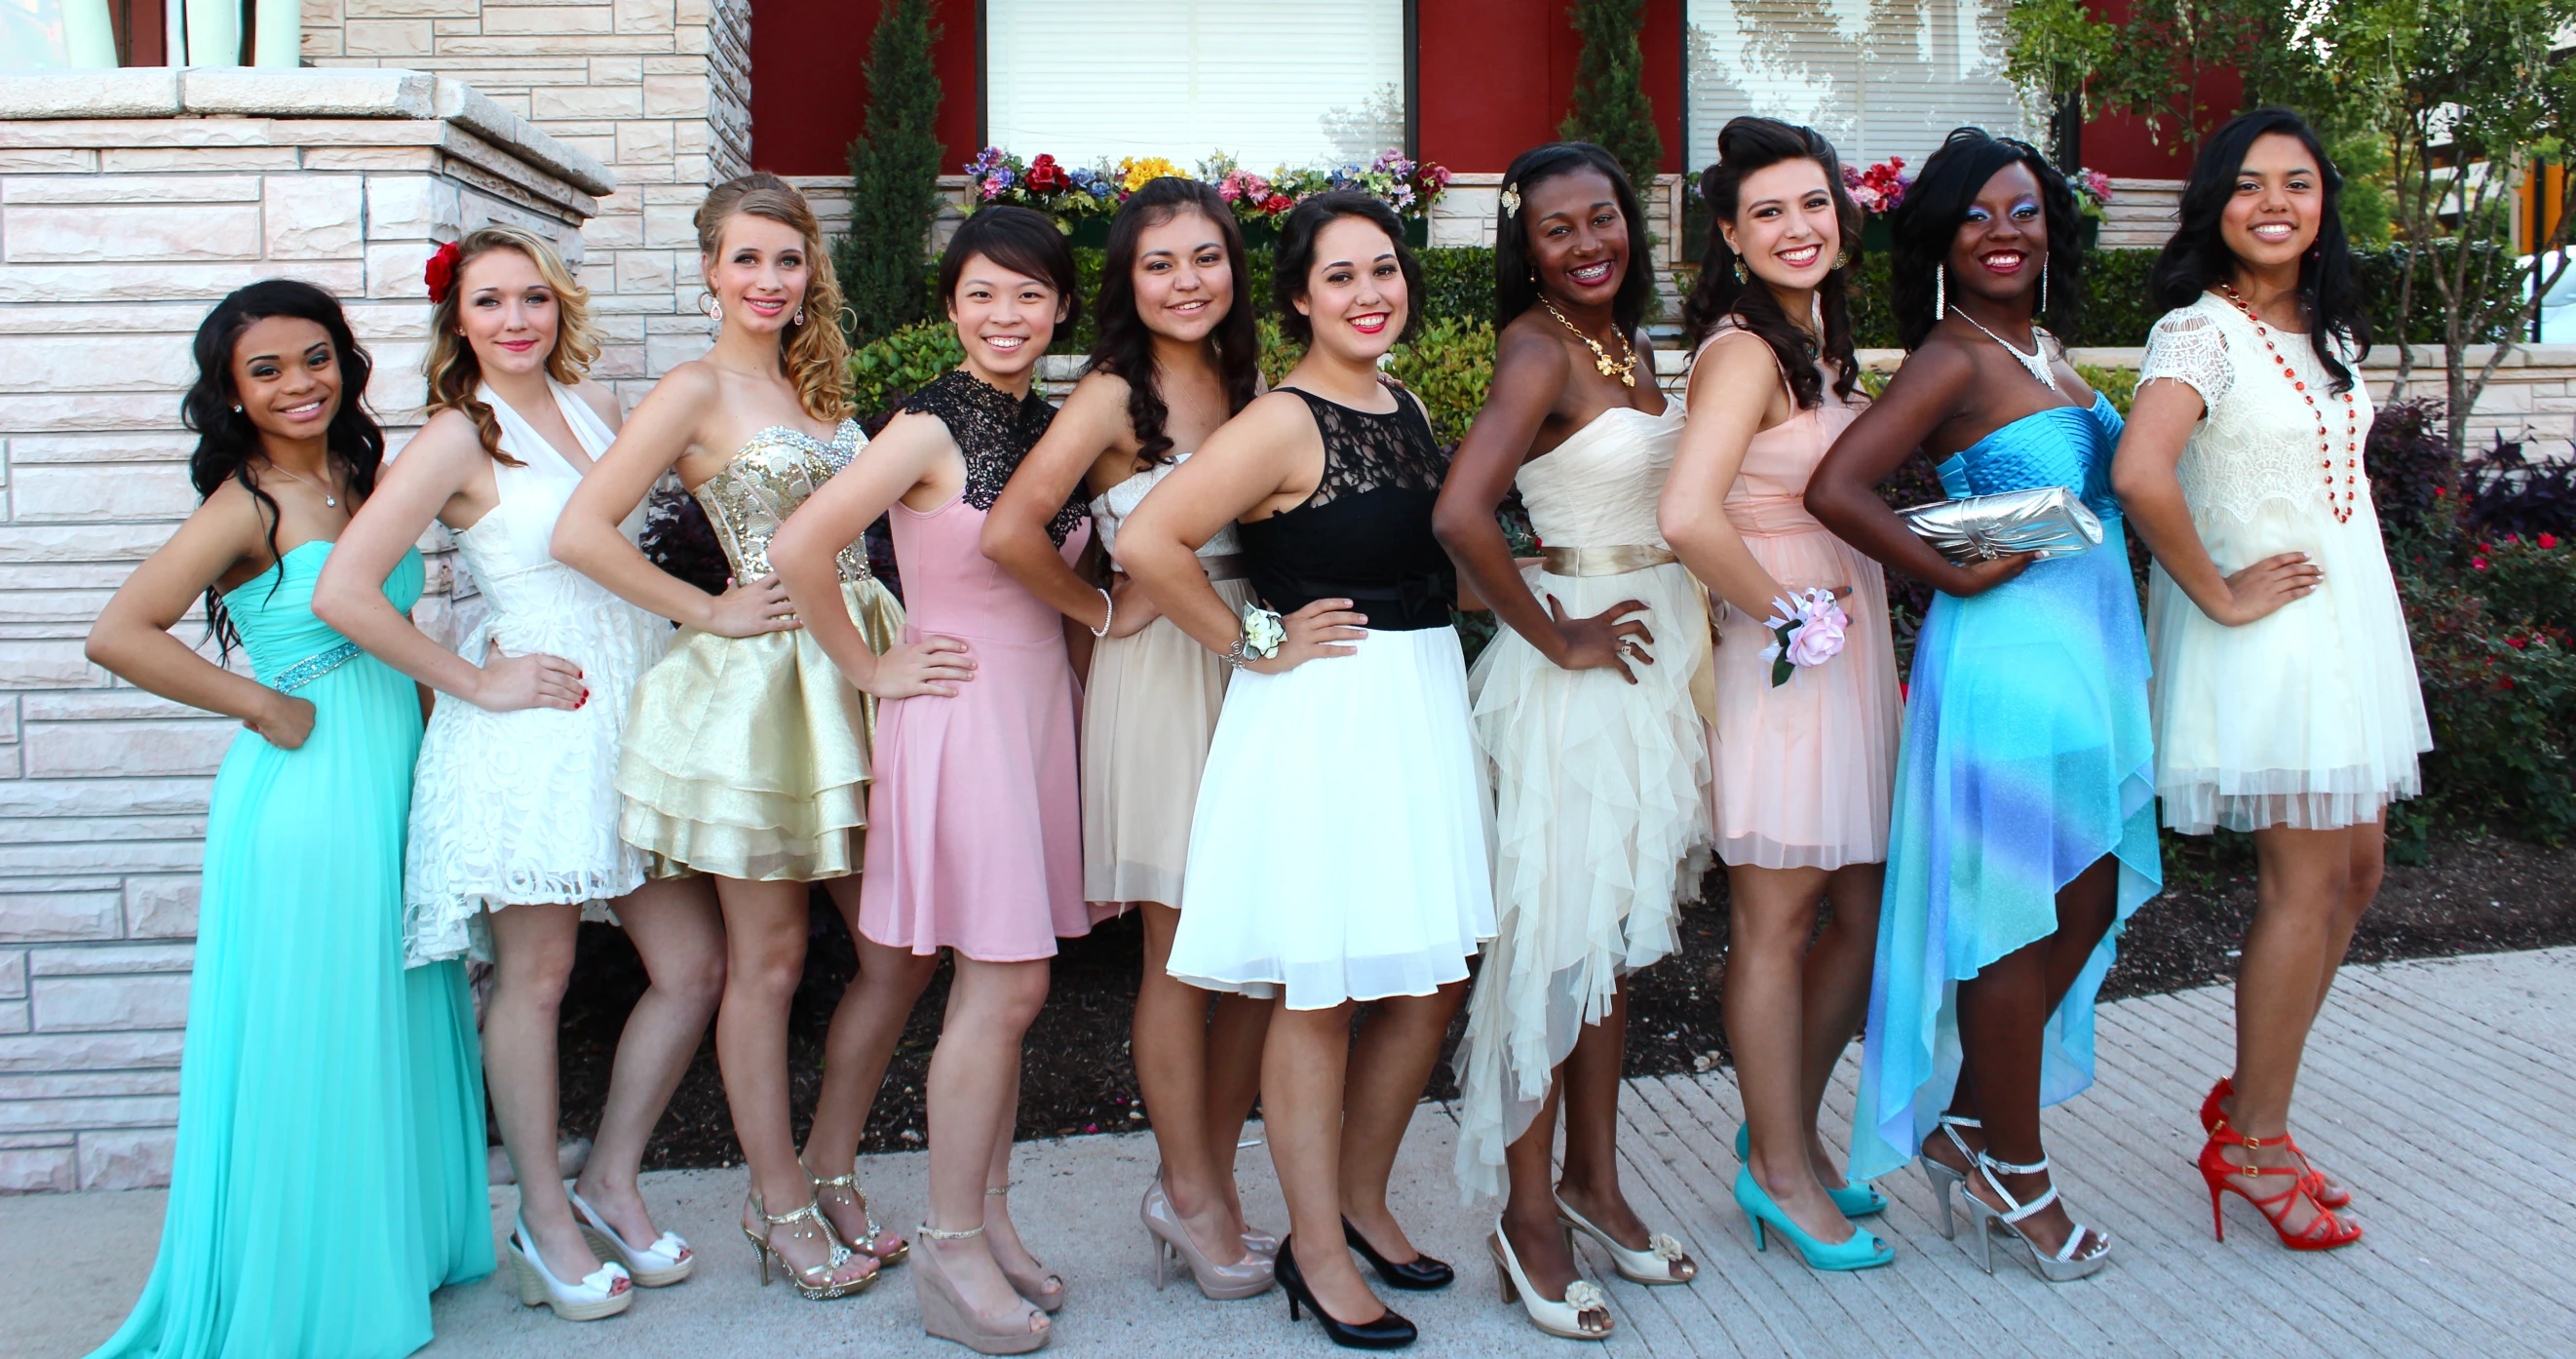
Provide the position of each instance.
(1585, 717)
(514, 804)
(2285, 698)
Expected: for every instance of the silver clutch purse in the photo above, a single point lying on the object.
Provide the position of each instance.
(2048, 520)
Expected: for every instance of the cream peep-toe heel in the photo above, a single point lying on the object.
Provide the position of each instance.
(1653, 1265)
(667, 1261)
(604, 1292)
(1563, 1319)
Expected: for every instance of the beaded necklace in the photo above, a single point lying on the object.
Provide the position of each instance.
(2325, 438)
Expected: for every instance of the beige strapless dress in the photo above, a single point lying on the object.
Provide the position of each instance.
(748, 757)
(1149, 712)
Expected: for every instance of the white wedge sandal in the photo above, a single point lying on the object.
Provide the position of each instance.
(667, 1261)
(604, 1292)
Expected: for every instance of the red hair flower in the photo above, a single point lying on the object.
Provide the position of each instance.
(440, 274)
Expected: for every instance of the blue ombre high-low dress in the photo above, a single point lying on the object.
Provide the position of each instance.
(330, 1164)
(2027, 756)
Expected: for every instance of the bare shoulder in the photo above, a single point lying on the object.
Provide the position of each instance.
(693, 386)
(910, 434)
(1532, 348)
(1098, 404)
(602, 400)
(448, 440)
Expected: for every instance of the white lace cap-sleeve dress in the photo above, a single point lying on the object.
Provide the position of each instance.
(521, 808)
(2311, 717)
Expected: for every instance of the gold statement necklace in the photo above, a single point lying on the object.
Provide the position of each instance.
(1623, 369)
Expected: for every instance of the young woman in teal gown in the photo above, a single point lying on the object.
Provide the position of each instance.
(2024, 830)
(329, 1172)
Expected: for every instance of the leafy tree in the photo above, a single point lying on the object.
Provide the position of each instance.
(1610, 106)
(894, 176)
(2474, 101)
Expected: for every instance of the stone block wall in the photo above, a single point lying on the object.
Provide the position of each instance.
(129, 202)
(657, 90)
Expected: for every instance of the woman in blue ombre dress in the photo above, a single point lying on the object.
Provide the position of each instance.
(329, 1171)
(2023, 832)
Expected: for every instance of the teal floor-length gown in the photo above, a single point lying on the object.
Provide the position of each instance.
(330, 1163)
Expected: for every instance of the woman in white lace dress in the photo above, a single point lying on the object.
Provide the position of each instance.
(2285, 698)
(1584, 716)
(514, 806)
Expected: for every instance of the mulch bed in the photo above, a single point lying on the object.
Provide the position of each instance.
(2478, 895)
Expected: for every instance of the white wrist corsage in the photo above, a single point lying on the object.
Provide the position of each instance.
(1262, 634)
(1806, 629)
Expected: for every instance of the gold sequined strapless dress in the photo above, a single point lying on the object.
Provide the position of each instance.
(748, 757)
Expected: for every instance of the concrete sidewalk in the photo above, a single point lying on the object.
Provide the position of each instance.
(2439, 1090)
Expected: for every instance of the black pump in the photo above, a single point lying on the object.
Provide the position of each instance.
(1419, 1274)
(1387, 1332)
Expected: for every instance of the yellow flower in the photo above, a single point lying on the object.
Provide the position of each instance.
(1133, 173)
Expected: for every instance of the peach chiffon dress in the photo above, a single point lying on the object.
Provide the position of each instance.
(1803, 772)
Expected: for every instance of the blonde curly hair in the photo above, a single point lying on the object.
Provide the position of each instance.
(454, 373)
(815, 352)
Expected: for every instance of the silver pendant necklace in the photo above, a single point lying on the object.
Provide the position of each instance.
(2036, 361)
(333, 501)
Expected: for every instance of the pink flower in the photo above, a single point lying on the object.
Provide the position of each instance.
(2548, 540)
(2478, 563)
(2516, 643)
(1820, 638)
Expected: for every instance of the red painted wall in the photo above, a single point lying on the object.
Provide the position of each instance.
(1494, 77)
(808, 98)
(2118, 144)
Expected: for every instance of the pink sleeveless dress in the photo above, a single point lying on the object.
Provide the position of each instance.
(1802, 773)
(975, 818)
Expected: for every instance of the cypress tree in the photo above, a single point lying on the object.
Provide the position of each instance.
(1610, 106)
(894, 175)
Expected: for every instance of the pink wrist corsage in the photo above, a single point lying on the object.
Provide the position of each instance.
(1806, 629)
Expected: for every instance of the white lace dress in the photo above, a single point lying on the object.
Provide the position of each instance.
(2311, 717)
(520, 808)
(1602, 816)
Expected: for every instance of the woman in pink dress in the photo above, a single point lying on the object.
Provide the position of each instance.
(1803, 761)
(974, 822)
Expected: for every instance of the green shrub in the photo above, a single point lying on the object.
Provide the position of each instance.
(884, 371)
(894, 173)
(1450, 365)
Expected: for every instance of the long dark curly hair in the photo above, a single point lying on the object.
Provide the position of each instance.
(1126, 345)
(2197, 259)
(1744, 146)
(1926, 224)
(229, 446)
(1516, 287)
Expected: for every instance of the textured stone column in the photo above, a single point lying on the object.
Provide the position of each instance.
(129, 201)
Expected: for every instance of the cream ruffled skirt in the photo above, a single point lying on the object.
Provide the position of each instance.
(1601, 812)
(747, 757)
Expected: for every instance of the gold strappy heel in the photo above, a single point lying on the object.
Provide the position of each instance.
(1032, 1286)
(867, 1247)
(816, 1283)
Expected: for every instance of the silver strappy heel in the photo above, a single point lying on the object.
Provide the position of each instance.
(2071, 1261)
(1943, 1179)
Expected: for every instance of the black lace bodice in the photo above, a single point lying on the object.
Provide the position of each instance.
(994, 431)
(1365, 534)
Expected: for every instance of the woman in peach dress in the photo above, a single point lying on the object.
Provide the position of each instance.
(1804, 752)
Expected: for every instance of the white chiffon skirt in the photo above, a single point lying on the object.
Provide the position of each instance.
(1339, 848)
(2311, 717)
(1603, 829)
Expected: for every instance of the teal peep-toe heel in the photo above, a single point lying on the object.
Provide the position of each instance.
(1855, 1197)
(1862, 1251)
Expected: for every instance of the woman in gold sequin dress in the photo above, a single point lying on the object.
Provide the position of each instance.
(746, 756)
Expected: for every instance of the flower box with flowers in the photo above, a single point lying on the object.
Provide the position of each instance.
(1081, 199)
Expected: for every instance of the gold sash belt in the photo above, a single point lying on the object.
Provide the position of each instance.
(1630, 557)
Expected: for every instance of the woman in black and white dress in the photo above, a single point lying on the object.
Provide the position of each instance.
(1338, 854)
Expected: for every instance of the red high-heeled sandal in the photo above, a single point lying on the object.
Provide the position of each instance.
(2324, 1232)
(2326, 1192)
